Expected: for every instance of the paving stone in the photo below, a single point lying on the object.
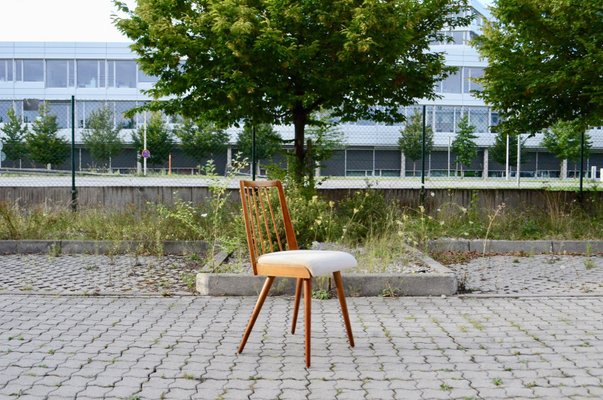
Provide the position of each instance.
(454, 347)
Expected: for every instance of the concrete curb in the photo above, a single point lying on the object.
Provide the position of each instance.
(583, 247)
(442, 282)
(57, 247)
(356, 285)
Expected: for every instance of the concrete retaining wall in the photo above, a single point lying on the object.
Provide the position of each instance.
(122, 197)
(56, 247)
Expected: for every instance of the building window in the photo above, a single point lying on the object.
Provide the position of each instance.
(452, 84)
(6, 70)
(71, 73)
(102, 77)
(494, 119)
(457, 37)
(62, 109)
(472, 73)
(5, 105)
(125, 74)
(29, 70)
(31, 109)
(57, 73)
(85, 110)
(87, 73)
(120, 108)
(479, 117)
(144, 77)
(444, 119)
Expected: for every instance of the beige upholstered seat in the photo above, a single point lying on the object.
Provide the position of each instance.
(318, 262)
(274, 253)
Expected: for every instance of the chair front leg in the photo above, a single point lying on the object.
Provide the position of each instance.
(344, 306)
(298, 289)
(308, 317)
(256, 311)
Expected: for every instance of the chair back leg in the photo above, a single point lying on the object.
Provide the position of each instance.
(344, 306)
(307, 317)
(298, 289)
(256, 311)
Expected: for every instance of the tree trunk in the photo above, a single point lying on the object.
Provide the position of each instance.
(300, 116)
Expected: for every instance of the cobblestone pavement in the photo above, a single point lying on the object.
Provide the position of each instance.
(100, 274)
(181, 347)
(96, 274)
(539, 274)
(406, 348)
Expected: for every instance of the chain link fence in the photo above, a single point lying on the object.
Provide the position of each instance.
(462, 149)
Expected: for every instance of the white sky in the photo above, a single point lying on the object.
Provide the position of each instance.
(62, 21)
(58, 21)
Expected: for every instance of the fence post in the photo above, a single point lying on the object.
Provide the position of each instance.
(518, 159)
(253, 153)
(73, 188)
(423, 161)
(581, 196)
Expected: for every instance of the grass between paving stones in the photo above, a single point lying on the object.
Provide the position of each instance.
(365, 221)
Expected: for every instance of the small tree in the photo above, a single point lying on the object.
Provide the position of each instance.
(411, 139)
(159, 140)
(564, 140)
(325, 138)
(13, 142)
(498, 151)
(201, 138)
(268, 142)
(464, 145)
(101, 137)
(43, 143)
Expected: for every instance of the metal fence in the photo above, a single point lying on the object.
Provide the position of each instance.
(353, 155)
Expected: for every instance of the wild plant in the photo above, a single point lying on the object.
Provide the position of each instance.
(217, 212)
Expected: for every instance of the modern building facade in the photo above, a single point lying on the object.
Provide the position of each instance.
(106, 75)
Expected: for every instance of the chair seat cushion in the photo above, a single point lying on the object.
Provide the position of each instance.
(318, 262)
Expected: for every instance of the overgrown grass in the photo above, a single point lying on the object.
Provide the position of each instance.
(364, 218)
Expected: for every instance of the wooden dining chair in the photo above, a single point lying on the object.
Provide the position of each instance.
(274, 253)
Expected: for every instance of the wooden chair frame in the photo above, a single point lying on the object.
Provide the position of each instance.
(263, 236)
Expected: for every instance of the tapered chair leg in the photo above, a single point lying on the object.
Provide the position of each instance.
(298, 289)
(344, 306)
(256, 311)
(308, 317)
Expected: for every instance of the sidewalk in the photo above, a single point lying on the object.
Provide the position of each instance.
(467, 347)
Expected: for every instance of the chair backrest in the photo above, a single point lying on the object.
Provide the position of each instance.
(267, 220)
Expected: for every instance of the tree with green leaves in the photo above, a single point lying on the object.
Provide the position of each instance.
(322, 140)
(498, 151)
(411, 139)
(13, 140)
(545, 62)
(201, 138)
(159, 139)
(325, 139)
(564, 139)
(101, 136)
(43, 143)
(278, 62)
(268, 142)
(463, 145)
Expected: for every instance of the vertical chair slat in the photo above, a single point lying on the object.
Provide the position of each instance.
(258, 220)
(265, 218)
(278, 237)
(250, 218)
